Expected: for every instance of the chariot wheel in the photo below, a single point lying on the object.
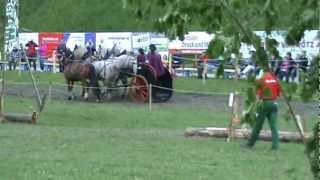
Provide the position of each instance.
(139, 90)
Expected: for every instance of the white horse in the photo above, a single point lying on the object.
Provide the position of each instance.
(114, 71)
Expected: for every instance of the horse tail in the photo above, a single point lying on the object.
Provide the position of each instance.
(94, 83)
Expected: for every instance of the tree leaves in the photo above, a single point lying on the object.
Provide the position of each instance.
(312, 151)
(215, 47)
(310, 82)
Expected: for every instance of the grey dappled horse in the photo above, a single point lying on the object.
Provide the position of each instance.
(115, 51)
(114, 71)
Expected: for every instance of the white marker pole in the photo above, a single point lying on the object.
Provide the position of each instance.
(150, 97)
(231, 97)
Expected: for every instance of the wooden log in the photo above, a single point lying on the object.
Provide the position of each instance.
(21, 118)
(265, 135)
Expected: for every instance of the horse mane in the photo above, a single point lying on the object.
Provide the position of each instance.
(79, 53)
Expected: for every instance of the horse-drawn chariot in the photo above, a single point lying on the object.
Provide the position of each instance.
(145, 82)
(142, 81)
(115, 70)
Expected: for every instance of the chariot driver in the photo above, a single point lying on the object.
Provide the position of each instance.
(154, 59)
(62, 53)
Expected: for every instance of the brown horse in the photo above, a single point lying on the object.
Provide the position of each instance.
(75, 70)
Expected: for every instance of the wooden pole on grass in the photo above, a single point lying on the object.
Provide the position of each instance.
(40, 102)
(284, 136)
(14, 117)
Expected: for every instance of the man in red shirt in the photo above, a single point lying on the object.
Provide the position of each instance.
(32, 53)
(268, 90)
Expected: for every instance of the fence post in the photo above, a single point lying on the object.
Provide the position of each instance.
(50, 91)
(54, 66)
(150, 97)
(170, 63)
(19, 65)
(235, 117)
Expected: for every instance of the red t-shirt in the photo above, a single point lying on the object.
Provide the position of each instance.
(31, 51)
(269, 87)
(204, 58)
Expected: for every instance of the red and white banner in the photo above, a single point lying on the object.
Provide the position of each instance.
(50, 40)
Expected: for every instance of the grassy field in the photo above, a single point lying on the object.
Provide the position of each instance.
(122, 140)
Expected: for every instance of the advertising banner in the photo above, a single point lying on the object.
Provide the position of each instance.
(74, 39)
(309, 43)
(140, 40)
(90, 37)
(50, 40)
(12, 25)
(194, 43)
(121, 39)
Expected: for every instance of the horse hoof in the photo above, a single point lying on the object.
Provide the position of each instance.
(97, 100)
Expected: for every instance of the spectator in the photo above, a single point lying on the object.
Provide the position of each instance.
(248, 71)
(250, 59)
(274, 64)
(177, 59)
(303, 61)
(200, 65)
(141, 58)
(32, 53)
(14, 58)
(100, 52)
(62, 48)
(91, 49)
(154, 59)
(288, 68)
(23, 53)
(43, 55)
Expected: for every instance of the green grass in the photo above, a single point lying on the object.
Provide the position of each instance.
(79, 140)
(192, 84)
(123, 140)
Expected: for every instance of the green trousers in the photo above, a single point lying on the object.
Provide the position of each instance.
(269, 110)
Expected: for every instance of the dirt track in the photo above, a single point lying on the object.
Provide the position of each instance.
(216, 102)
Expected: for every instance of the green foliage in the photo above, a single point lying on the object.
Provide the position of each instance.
(271, 45)
(220, 70)
(306, 17)
(216, 47)
(312, 150)
(310, 81)
(251, 106)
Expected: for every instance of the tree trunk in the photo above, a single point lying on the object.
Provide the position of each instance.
(265, 135)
